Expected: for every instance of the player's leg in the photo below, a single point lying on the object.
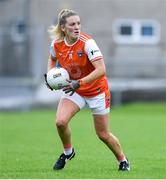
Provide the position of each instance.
(100, 106)
(101, 123)
(67, 108)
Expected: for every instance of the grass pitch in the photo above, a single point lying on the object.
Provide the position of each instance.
(29, 144)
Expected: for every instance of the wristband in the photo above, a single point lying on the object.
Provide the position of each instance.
(81, 82)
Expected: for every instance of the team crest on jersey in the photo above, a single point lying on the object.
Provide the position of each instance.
(80, 53)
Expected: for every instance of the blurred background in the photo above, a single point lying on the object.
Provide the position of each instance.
(130, 33)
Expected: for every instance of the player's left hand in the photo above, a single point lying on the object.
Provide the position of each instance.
(71, 87)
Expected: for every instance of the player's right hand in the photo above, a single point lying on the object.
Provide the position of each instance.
(46, 83)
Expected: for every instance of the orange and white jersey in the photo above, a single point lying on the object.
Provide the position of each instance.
(77, 60)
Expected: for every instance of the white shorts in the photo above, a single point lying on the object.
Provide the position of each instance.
(99, 104)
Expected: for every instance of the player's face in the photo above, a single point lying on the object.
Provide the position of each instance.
(72, 28)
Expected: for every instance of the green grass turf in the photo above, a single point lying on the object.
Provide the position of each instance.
(29, 144)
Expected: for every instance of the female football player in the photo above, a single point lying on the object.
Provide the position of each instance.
(79, 54)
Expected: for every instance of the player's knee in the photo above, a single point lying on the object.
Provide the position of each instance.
(61, 122)
(103, 136)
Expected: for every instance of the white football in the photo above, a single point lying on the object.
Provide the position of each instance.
(57, 77)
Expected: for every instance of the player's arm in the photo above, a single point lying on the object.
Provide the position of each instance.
(52, 59)
(99, 71)
(51, 62)
(96, 58)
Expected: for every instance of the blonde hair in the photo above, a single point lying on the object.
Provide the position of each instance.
(55, 31)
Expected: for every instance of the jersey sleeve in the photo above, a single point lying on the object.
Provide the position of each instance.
(52, 51)
(92, 50)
